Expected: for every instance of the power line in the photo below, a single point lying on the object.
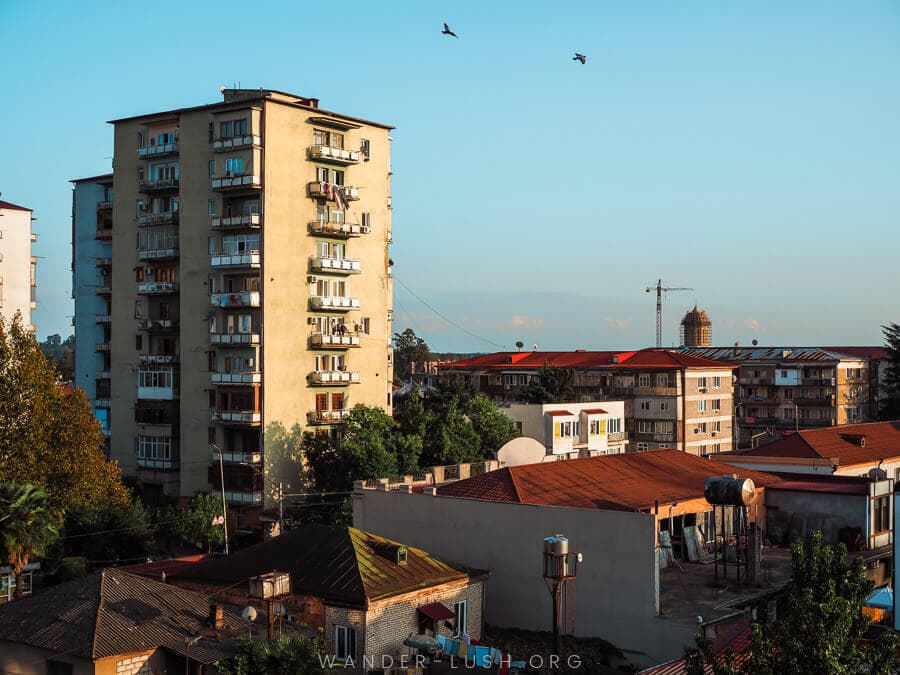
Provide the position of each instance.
(449, 321)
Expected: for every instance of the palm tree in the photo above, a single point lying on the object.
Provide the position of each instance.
(27, 527)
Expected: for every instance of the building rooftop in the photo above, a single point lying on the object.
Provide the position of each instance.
(843, 445)
(770, 354)
(658, 359)
(340, 564)
(628, 482)
(109, 613)
(14, 207)
(102, 178)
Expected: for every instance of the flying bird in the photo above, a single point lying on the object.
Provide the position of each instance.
(447, 31)
(580, 57)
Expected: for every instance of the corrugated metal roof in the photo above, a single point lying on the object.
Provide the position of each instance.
(632, 481)
(770, 355)
(340, 564)
(584, 360)
(14, 207)
(106, 614)
(839, 444)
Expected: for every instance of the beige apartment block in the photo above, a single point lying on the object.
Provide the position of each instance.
(251, 287)
(18, 268)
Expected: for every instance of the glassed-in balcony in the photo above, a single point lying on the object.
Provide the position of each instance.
(324, 153)
(244, 299)
(249, 377)
(157, 287)
(102, 262)
(321, 340)
(103, 290)
(339, 265)
(249, 259)
(105, 205)
(102, 347)
(241, 182)
(161, 218)
(103, 318)
(337, 229)
(338, 303)
(157, 384)
(332, 192)
(104, 234)
(157, 324)
(158, 185)
(333, 377)
(242, 497)
(236, 143)
(326, 416)
(251, 417)
(236, 222)
(234, 339)
(158, 248)
(161, 150)
(238, 457)
(156, 464)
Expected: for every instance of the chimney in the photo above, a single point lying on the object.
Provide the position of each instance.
(217, 617)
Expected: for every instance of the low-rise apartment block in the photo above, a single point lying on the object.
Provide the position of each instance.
(18, 267)
(671, 400)
(571, 430)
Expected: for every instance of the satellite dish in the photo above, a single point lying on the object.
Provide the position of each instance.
(249, 613)
(535, 346)
(755, 342)
(519, 344)
(580, 557)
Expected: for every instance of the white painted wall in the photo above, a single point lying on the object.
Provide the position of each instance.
(537, 424)
(15, 264)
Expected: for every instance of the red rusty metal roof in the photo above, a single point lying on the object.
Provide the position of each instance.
(840, 444)
(734, 638)
(585, 360)
(560, 413)
(595, 411)
(632, 481)
(13, 207)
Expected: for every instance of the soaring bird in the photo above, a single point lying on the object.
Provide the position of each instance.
(580, 57)
(447, 31)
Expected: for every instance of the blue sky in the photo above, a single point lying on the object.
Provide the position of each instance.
(750, 150)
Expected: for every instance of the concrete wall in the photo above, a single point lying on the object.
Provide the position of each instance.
(616, 596)
(15, 265)
(20, 659)
(791, 515)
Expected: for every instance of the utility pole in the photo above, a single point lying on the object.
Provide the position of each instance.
(222, 480)
(280, 508)
(660, 289)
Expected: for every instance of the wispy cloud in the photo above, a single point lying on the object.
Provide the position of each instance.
(520, 322)
(617, 323)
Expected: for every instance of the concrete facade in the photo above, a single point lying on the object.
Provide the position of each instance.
(258, 298)
(18, 267)
(21, 659)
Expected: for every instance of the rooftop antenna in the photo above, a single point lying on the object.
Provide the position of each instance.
(660, 289)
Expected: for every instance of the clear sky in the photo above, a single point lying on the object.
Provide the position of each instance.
(750, 150)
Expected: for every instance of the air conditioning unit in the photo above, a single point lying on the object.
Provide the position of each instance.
(703, 390)
(311, 279)
(714, 433)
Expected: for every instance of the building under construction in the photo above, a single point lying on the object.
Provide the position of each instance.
(696, 329)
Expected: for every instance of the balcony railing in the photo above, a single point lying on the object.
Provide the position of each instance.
(102, 375)
(245, 299)
(157, 464)
(157, 324)
(236, 143)
(616, 436)
(103, 262)
(817, 381)
(104, 205)
(157, 287)
(101, 347)
(163, 386)
(333, 302)
(819, 402)
(334, 377)
(147, 253)
(245, 378)
(102, 403)
(330, 191)
(158, 150)
(238, 457)
(162, 218)
(250, 220)
(103, 290)
(242, 182)
(248, 259)
(325, 153)
(342, 230)
(326, 416)
(345, 265)
(237, 416)
(158, 359)
(159, 185)
(655, 391)
(325, 341)
(104, 233)
(240, 497)
(103, 318)
(237, 339)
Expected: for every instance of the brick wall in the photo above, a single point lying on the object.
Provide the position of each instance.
(346, 616)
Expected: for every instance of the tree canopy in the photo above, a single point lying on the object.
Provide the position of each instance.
(890, 403)
(286, 655)
(49, 435)
(200, 521)
(410, 354)
(27, 526)
(552, 385)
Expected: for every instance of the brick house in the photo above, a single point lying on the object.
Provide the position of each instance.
(366, 593)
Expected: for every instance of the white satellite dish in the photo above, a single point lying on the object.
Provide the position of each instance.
(521, 450)
(249, 613)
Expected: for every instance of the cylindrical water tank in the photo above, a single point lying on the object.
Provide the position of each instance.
(556, 550)
(729, 491)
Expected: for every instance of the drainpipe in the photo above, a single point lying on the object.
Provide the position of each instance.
(683, 409)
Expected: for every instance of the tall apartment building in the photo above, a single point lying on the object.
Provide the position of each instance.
(18, 268)
(789, 388)
(251, 287)
(672, 400)
(92, 232)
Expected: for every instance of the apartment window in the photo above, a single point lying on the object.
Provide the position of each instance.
(211, 361)
(344, 643)
(716, 382)
(138, 309)
(366, 220)
(755, 373)
(240, 127)
(365, 148)
(139, 208)
(717, 404)
(701, 428)
(337, 401)
(155, 378)
(154, 447)
(321, 174)
(701, 405)
(320, 137)
(701, 382)
(594, 427)
(717, 426)
(138, 342)
(646, 427)
(662, 380)
(714, 447)
(364, 325)
(643, 446)
(614, 425)
(460, 610)
(212, 207)
(234, 166)
(788, 413)
(565, 429)
(644, 381)
(211, 435)
(882, 514)
(322, 249)
(140, 139)
(645, 405)
(789, 394)
(663, 406)
(212, 168)
(140, 173)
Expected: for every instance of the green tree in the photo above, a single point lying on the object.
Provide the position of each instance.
(450, 438)
(28, 526)
(198, 523)
(130, 524)
(410, 413)
(493, 427)
(451, 389)
(410, 354)
(49, 435)
(286, 655)
(890, 402)
(552, 385)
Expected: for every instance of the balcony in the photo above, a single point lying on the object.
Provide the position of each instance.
(237, 416)
(655, 391)
(237, 457)
(101, 347)
(103, 262)
(616, 436)
(154, 151)
(331, 192)
(324, 153)
(104, 234)
(158, 359)
(105, 205)
(102, 375)
(326, 377)
(157, 287)
(249, 259)
(157, 464)
(159, 253)
(102, 318)
(234, 339)
(157, 324)
(817, 382)
(158, 185)
(240, 497)
(323, 341)
(236, 143)
(816, 402)
(340, 265)
(157, 384)
(103, 290)
(245, 299)
(334, 302)
(342, 230)
(327, 416)
(243, 182)
(236, 222)
(162, 218)
(244, 378)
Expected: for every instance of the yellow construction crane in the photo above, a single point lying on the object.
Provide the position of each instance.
(659, 288)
